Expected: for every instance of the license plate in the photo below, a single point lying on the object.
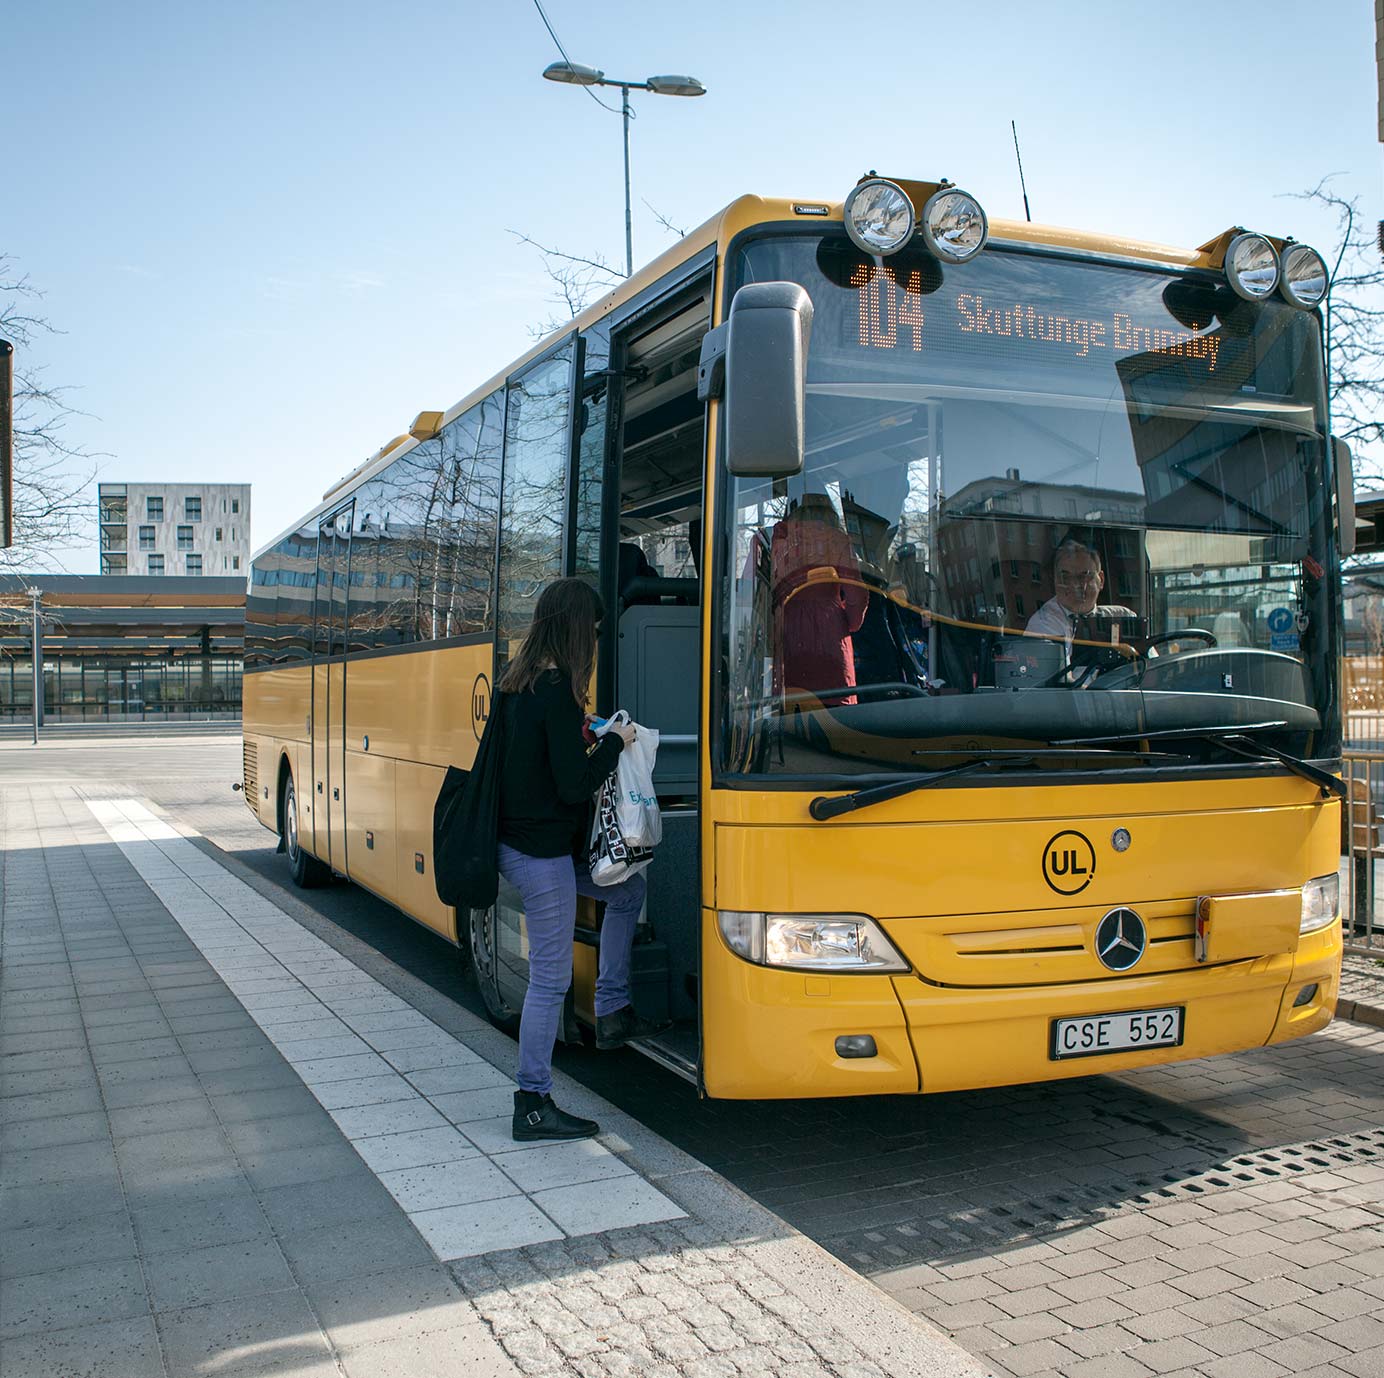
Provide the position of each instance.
(1094, 1034)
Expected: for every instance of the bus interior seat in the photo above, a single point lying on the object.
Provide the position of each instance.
(655, 589)
(633, 567)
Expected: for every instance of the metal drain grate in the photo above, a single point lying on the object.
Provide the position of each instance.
(951, 1230)
(1269, 1164)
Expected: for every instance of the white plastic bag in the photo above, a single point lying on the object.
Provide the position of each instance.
(636, 804)
(611, 858)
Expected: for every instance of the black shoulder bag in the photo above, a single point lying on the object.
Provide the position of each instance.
(466, 824)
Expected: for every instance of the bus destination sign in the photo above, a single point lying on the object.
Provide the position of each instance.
(895, 312)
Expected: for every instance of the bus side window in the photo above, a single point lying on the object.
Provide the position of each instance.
(533, 501)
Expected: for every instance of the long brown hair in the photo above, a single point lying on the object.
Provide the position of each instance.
(563, 634)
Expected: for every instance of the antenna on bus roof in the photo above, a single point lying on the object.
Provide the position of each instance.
(1020, 161)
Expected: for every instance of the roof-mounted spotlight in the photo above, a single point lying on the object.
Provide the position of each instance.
(1251, 266)
(879, 216)
(1305, 281)
(954, 226)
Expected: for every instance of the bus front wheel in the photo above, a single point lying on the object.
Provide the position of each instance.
(482, 947)
(306, 870)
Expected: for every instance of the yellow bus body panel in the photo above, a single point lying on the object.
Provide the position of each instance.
(417, 705)
(771, 1034)
(415, 792)
(956, 880)
(276, 709)
(372, 834)
(407, 718)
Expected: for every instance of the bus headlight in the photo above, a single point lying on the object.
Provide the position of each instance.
(810, 942)
(1321, 899)
(1305, 279)
(954, 226)
(1251, 266)
(879, 217)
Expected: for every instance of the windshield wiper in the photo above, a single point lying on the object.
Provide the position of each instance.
(1233, 739)
(1262, 751)
(826, 806)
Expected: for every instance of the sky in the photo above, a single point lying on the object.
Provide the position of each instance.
(272, 233)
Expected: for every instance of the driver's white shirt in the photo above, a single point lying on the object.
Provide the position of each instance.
(1053, 620)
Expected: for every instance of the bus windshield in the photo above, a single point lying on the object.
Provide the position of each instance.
(1046, 501)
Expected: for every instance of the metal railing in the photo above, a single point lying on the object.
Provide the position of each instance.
(1362, 851)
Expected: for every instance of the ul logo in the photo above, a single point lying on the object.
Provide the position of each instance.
(1069, 863)
(480, 705)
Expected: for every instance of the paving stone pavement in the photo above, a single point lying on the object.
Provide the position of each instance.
(1268, 1262)
(1362, 990)
(959, 1189)
(1285, 1275)
(175, 1198)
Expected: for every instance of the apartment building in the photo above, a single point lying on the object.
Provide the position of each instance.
(175, 528)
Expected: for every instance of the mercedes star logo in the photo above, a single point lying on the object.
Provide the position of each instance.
(1120, 939)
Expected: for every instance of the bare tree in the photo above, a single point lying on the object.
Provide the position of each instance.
(1354, 330)
(679, 230)
(577, 280)
(52, 477)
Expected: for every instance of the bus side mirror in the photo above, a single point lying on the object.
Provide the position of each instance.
(1345, 495)
(765, 342)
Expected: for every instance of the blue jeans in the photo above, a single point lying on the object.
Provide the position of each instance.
(549, 886)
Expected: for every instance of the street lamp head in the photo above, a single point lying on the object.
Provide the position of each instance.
(675, 86)
(574, 74)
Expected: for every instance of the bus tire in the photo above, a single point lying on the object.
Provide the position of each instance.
(482, 951)
(306, 870)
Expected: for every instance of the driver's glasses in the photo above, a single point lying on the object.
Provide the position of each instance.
(1067, 580)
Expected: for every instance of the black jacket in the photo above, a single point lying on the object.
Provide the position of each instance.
(548, 773)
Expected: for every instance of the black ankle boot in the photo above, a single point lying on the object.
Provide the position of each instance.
(536, 1117)
(615, 1030)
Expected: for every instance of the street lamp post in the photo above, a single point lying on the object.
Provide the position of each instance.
(573, 74)
(6, 444)
(37, 637)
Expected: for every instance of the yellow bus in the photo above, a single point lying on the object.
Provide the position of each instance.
(983, 582)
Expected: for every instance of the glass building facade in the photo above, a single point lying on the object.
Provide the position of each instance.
(116, 650)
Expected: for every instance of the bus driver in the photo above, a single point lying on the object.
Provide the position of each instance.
(1077, 579)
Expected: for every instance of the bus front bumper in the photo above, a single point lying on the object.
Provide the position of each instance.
(773, 1033)
(967, 1039)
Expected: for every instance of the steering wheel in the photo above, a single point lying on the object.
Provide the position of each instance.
(1072, 676)
(1190, 634)
(1081, 674)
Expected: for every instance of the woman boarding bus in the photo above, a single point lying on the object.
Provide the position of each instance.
(547, 779)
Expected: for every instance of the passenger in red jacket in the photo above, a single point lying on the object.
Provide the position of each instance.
(819, 601)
